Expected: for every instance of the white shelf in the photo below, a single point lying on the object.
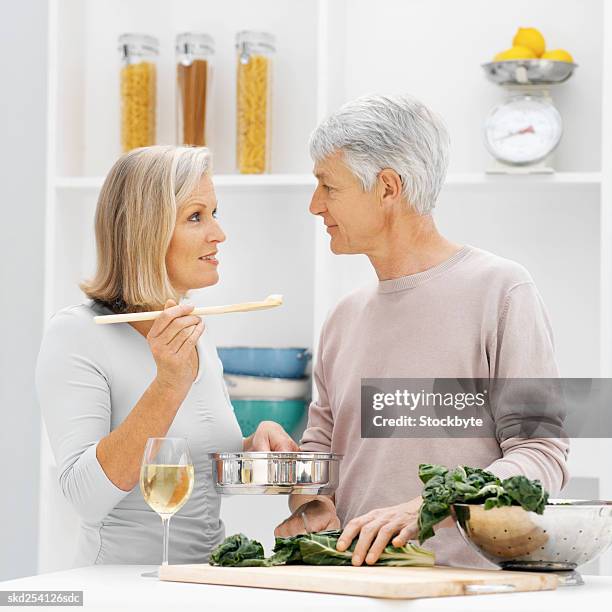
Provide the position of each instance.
(557, 178)
(266, 181)
(221, 180)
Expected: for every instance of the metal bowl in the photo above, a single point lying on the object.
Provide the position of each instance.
(529, 72)
(568, 534)
(258, 473)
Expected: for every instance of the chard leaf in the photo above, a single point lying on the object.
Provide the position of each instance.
(527, 493)
(429, 470)
(286, 550)
(238, 550)
(320, 549)
(406, 556)
(312, 549)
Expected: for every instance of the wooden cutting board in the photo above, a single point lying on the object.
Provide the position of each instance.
(386, 582)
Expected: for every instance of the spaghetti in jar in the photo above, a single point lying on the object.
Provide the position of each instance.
(194, 52)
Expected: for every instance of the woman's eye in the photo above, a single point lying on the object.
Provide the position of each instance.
(195, 217)
(214, 213)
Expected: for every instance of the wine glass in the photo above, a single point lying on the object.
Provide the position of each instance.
(166, 481)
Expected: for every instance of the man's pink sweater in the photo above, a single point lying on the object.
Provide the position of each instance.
(475, 315)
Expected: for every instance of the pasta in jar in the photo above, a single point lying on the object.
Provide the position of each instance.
(138, 88)
(253, 103)
(193, 80)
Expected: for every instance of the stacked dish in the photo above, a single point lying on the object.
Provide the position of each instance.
(267, 384)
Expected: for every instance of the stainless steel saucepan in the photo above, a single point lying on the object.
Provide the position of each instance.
(274, 473)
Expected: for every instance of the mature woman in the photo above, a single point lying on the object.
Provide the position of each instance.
(105, 389)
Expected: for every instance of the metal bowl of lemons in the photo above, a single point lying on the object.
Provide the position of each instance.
(529, 71)
(529, 62)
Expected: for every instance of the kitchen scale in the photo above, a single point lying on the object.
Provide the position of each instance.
(522, 132)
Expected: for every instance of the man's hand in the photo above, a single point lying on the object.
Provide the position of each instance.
(318, 515)
(270, 436)
(376, 528)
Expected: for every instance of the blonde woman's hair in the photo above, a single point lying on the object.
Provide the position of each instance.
(135, 220)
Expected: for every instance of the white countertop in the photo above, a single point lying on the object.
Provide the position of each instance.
(121, 587)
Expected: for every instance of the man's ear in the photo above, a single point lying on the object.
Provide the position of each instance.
(390, 185)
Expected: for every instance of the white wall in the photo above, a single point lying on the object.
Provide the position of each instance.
(23, 71)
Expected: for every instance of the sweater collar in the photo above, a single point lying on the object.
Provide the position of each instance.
(414, 280)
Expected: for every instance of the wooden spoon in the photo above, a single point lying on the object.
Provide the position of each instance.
(272, 301)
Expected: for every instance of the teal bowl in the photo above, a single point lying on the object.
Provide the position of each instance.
(250, 412)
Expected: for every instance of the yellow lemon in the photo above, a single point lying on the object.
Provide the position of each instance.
(559, 55)
(515, 53)
(531, 38)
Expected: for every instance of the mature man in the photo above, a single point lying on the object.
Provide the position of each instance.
(439, 309)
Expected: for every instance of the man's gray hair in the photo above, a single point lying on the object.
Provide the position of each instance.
(397, 132)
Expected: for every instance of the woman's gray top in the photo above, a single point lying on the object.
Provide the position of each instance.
(88, 379)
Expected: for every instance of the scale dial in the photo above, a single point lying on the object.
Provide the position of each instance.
(523, 130)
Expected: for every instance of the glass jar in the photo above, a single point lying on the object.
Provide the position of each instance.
(255, 51)
(193, 80)
(138, 90)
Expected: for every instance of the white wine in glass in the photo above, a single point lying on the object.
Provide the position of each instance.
(166, 480)
(166, 488)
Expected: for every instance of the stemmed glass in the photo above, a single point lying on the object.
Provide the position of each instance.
(166, 481)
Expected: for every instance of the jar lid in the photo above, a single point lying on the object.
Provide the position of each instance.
(256, 39)
(138, 44)
(194, 43)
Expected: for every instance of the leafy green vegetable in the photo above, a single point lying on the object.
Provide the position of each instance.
(524, 492)
(286, 551)
(238, 550)
(320, 549)
(444, 487)
(313, 549)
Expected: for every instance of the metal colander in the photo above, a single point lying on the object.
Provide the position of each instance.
(568, 534)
